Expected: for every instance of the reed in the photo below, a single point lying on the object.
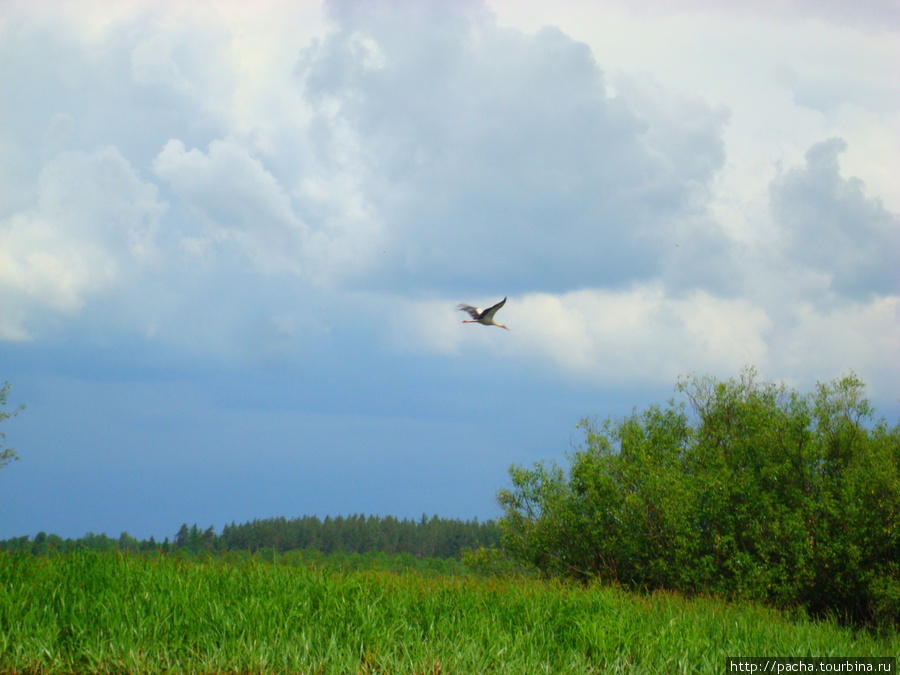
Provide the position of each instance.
(113, 613)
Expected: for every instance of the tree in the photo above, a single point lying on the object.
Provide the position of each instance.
(127, 542)
(7, 455)
(39, 545)
(746, 489)
(181, 537)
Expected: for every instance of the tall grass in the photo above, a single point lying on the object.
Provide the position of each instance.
(112, 613)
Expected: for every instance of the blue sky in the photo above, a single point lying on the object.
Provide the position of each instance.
(233, 236)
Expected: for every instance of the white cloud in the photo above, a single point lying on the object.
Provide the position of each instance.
(640, 334)
(93, 224)
(236, 199)
(645, 335)
(821, 343)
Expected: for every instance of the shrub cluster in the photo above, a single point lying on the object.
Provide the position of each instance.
(742, 488)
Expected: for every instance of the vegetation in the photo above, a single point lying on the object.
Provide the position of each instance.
(655, 551)
(7, 455)
(433, 537)
(427, 538)
(88, 612)
(746, 490)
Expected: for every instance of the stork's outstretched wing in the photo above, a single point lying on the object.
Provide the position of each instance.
(490, 311)
(474, 312)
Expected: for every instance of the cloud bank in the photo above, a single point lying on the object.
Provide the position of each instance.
(169, 175)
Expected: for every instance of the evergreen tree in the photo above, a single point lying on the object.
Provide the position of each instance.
(181, 537)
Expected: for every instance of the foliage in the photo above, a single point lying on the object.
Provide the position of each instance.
(424, 539)
(7, 455)
(746, 489)
(493, 562)
(427, 537)
(89, 612)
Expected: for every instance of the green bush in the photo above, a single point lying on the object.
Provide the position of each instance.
(742, 488)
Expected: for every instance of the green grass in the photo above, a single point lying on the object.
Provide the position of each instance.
(111, 613)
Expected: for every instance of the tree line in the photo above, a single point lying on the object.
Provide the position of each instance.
(433, 537)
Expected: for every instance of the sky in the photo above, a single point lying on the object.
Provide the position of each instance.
(233, 237)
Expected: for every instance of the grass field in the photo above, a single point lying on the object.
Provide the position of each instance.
(111, 613)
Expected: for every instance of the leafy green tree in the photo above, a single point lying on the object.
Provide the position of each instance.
(7, 455)
(97, 542)
(56, 544)
(128, 543)
(743, 488)
(39, 545)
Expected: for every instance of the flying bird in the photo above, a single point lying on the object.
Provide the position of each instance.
(483, 316)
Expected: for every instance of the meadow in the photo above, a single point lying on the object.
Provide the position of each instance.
(91, 612)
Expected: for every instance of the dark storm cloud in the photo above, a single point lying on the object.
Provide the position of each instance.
(491, 154)
(833, 227)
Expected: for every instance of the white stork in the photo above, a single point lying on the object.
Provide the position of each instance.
(483, 316)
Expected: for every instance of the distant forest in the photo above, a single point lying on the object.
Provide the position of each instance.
(355, 534)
